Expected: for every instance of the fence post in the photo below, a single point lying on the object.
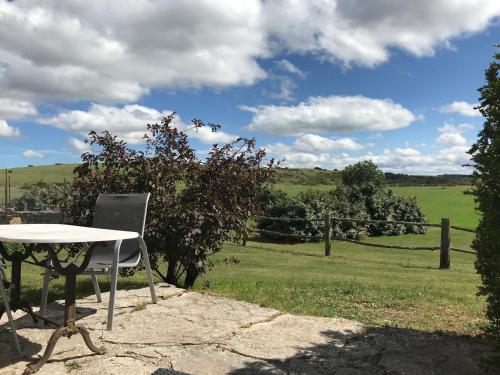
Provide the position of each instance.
(245, 237)
(444, 259)
(327, 235)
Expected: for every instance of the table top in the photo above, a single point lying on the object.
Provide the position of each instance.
(59, 233)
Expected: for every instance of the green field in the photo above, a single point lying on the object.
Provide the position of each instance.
(30, 175)
(436, 202)
(373, 285)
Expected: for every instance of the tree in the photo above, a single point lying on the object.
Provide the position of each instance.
(195, 205)
(485, 154)
(364, 175)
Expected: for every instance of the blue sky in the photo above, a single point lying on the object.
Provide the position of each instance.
(329, 84)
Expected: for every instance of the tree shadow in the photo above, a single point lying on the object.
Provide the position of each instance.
(386, 350)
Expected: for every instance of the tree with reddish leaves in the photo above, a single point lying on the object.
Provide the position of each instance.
(195, 205)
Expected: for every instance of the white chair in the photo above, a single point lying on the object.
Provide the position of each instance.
(5, 299)
(118, 212)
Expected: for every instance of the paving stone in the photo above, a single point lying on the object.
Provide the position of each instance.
(195, 333)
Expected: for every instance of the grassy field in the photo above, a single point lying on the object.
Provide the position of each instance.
(375, 286)
(30, 175)
(437, 202)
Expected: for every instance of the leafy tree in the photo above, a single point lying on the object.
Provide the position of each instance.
(195, 205)
(365, 176)
(486, 158)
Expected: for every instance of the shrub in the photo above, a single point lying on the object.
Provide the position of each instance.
(279, 204)
(386, 206)
(310, 206)
(486, 157)
(194, 207)
(41, 197)
(364, 196)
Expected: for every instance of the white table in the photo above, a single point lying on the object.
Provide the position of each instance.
(43, 237)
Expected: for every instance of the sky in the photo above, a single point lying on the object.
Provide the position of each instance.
(318, 83)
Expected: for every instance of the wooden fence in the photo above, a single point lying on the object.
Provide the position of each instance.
(444, 246)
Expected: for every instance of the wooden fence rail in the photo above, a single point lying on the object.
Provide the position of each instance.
(444, 246)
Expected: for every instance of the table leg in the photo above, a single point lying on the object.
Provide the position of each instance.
(15, 281)
(69, 328)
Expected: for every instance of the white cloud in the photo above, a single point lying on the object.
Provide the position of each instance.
(289, 67)
(462, 108)
(456, 139)
(33, 154)
(127, 122)
(207, 136)
(285, 88)
(406, 151)
(86, 51)
(117, 52)
(312, 143)
(8, 131)
(452, 134)
(330, 114)
(10, 108)
(397, 160)
(363, 32)
(78, 146)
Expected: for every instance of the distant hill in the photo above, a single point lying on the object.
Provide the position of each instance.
(284, 176)
(412, 180)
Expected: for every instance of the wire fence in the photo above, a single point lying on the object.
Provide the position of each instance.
(444, 246)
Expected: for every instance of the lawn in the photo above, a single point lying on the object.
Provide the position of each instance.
(375, 286)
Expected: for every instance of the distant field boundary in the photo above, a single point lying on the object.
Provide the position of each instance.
(444, 246)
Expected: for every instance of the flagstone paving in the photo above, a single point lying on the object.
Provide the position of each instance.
(195, 333)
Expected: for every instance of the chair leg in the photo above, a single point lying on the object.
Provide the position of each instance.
(45, 294)
(112, 287)
(149, 273)
(9, 315)
(96, 288)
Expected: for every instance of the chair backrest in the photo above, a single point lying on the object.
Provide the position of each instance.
(121, 212)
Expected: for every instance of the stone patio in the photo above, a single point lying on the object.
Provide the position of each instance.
(194, 333)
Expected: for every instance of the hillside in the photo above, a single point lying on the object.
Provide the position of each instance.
(286, 178)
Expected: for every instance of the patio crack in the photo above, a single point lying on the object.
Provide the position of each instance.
(266, 320)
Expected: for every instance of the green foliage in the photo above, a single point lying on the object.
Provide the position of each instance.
(486, 157)
(184, 226)
(40, 197)
(365, 176)
(363, 197)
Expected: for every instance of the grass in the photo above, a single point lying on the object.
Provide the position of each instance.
(72, 365)
(436, 202)
(29, 175)
(375, 286)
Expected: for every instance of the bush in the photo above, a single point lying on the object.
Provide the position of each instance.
(363, 197)
(41, 197)
(279, 204)
(184, 225)
(310, 206)
(486, 157)
(389, 207)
